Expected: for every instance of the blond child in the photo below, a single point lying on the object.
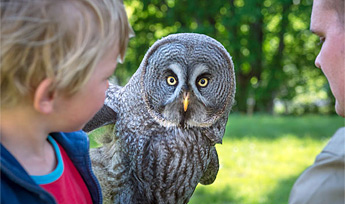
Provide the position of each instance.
(56, 57)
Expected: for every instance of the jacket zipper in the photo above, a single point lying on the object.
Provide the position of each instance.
(94, 179)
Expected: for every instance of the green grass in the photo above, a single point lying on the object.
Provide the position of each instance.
(262, 156)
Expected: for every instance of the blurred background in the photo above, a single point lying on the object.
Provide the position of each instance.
(269, 40)
(284, 110)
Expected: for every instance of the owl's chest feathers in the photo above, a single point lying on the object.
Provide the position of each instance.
(163, 161)
(141, 133)
(167, 158)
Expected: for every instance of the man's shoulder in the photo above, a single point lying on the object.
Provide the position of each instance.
(336, 145)
(323, 182)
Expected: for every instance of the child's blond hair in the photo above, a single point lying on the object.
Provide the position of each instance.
(58, 39)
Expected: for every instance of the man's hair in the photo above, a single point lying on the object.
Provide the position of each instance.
(338, 7)
(58, 39)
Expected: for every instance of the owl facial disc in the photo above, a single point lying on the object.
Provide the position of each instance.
(187, 80)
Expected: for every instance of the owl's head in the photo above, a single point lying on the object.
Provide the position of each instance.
(187, 80)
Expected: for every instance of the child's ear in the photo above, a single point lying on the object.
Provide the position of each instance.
(44, 98)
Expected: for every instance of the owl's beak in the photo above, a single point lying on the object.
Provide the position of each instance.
(185, 101)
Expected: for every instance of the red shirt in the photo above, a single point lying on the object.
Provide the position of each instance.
(65, 182)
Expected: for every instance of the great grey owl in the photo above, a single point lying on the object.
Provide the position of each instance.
(167, 119)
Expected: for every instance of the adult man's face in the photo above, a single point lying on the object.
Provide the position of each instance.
(325, 24)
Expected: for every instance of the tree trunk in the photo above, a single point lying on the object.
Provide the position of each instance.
(277, 76)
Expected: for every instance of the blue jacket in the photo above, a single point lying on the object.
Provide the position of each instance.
(18, 187)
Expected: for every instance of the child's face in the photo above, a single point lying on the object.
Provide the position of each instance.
(75, 111)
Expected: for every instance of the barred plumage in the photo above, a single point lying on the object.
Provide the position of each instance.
(162, 146)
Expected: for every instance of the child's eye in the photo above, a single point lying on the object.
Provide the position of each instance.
(322, 40)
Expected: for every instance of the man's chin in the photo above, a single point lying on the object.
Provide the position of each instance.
(340, 109)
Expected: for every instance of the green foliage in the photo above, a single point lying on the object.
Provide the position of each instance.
(269, 40)
(261, 157)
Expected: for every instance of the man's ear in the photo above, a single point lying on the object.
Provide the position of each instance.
(44, 98)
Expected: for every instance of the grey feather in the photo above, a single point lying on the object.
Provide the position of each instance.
(159, 152)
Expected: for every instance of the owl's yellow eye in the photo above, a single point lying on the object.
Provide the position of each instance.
(171, 81)
(203, 82)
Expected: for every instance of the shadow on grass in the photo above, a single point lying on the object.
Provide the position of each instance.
(280, 194)
(274, 127)
(203, 195)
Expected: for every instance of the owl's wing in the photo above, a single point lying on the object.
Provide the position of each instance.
(107, 114)
(212, 169)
